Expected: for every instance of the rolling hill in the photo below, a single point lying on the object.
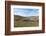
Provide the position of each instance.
(20, 21)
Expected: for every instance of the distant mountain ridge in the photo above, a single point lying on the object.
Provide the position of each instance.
(26, 18)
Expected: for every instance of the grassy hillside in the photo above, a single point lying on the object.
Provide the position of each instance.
(20, 21)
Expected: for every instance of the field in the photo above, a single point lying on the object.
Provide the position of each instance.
(31, 21)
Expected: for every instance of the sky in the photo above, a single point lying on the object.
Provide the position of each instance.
(25, 12)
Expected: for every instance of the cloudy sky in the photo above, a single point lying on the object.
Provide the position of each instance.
(26, 12)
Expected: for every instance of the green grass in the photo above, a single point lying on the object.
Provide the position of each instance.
(24, 24)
